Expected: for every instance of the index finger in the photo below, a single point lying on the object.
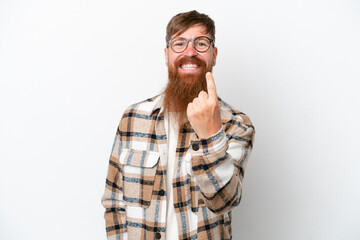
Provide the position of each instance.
(211, 88)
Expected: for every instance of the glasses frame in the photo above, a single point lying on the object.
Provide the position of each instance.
(191, 40)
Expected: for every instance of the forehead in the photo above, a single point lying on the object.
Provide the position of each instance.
(193, 32)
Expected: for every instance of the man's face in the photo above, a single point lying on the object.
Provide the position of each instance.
(187, 73)
(190, 64)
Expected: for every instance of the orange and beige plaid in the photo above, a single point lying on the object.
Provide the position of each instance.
(207, 181)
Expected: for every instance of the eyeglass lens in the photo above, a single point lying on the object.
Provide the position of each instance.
(201, 44)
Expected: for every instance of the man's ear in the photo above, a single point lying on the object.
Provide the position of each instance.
(215, 53)
(166, 55)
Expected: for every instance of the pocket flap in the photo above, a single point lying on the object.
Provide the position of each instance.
(139, 158)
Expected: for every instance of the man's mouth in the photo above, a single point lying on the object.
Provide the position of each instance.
(189, 66)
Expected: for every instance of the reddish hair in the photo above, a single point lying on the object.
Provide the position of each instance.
(183, 21)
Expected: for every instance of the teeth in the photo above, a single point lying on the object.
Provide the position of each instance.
(189, 66)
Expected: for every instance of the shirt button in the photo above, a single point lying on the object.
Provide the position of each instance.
(195, 146)
(161, 192)
(158, 235)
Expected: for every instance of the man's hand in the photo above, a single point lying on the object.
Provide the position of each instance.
(204, 112)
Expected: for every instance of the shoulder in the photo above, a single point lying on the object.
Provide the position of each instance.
(145, 107)
(140, 111)
(237, 124)
(230, 114)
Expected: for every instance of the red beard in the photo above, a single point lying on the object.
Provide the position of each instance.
(183, 88)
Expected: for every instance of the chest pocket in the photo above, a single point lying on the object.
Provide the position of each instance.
(138, 170)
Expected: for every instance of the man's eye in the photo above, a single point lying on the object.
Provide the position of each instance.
(179, 44)
(202, 44)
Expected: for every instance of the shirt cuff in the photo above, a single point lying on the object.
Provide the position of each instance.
(214, 143)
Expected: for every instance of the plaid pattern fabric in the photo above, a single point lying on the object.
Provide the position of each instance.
(206, 184)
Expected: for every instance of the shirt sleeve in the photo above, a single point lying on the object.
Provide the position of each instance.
(112, 200)
(218, 163)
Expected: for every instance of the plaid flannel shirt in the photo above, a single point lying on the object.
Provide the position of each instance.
(207, 181)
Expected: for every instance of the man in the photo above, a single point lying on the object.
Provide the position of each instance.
(178, 159)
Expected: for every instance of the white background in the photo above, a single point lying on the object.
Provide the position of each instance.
(69, 68)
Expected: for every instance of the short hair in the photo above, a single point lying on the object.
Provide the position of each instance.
(183, 21)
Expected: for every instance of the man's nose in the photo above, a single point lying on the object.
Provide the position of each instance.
(190, 50)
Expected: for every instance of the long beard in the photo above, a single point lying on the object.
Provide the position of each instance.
(183, 88)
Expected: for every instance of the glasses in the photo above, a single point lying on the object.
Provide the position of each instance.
(201, 44)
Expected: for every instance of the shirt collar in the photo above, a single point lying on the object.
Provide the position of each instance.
(158, 104)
